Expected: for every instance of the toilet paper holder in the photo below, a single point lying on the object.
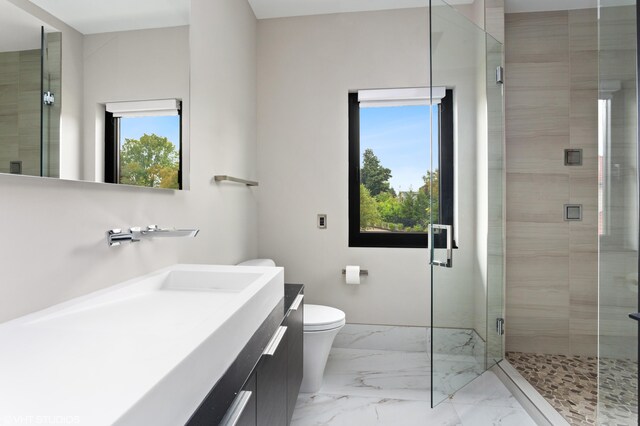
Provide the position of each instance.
(363, 272)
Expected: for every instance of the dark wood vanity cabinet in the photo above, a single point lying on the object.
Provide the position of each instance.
(247, 413)
(262, 385)
(271, 376)
(279, 376)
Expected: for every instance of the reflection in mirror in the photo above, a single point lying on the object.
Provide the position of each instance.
(61, 66)
(143, 143)
(29, 56)
(50, 109)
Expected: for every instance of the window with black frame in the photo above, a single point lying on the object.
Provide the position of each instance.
(399, 182)
(143, 143)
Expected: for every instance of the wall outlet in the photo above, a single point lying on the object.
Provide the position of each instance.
(322, 221)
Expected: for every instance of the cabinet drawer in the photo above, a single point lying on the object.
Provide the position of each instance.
(243, 409)
(271, 377)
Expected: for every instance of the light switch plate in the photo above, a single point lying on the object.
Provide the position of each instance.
(322, 221)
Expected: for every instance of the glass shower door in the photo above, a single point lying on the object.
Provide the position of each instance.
(466, 249)
(50, 101)
(617, 214)
(495, 200)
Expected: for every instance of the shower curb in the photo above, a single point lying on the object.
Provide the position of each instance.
(534, 404)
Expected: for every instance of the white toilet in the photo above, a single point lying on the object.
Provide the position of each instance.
(321, 325)
(257, 262)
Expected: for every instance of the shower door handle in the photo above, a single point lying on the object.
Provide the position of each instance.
(448, 229)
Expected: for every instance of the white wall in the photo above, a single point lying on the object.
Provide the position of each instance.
(132, 66)
(459, 62)
(474, 12)
(307, 66)
(53, 231)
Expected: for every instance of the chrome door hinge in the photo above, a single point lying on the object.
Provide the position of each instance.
(500, 75)
(48, 98)
(500, 326)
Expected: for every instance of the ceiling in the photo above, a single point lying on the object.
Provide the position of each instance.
(18, 29)
(516, 6)
(281, 8)
(100, 16)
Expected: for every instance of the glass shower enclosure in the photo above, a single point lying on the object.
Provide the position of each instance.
(617, 213)
(467, 275)
(50, 104)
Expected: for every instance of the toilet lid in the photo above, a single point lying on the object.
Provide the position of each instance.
(319, 318)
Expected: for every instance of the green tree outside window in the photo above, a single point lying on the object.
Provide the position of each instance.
(150, 161)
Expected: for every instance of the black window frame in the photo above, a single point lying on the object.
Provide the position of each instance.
(446, 169)
(112, 149)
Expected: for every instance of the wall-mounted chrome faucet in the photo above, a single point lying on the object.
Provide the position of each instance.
(115, 237)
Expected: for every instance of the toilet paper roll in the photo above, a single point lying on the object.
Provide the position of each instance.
(352, 274)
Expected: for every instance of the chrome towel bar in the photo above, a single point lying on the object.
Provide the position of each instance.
(222, 178)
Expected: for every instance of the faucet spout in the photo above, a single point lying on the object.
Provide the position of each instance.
(115, 237)
(153, 231)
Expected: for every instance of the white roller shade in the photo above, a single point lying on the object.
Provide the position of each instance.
(401, 97)
(144, 108)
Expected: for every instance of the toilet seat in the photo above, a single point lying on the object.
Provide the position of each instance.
(322, 318)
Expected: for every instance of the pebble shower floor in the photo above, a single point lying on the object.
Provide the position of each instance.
(570, 384)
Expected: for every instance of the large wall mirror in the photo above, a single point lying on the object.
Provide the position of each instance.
(95, 91)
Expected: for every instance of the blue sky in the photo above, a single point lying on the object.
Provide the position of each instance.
(166, 126)
(399, 137)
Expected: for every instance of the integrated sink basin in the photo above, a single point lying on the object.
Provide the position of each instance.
(146, 351)
(190, 280)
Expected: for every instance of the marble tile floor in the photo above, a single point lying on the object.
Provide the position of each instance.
(381, 376)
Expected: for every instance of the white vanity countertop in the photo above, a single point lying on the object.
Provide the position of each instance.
(143, 352)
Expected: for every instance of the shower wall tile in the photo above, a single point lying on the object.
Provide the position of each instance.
(537, 37)
(581, 64)
(583, 267)
(583, 32)
(583, 239)
(494, 19)
(530, 238)
(551, 265)
(527, 75)
(20, 110)
(540, 343)
(538, 112)
(583, 258)
(536, 197)
(526, 154)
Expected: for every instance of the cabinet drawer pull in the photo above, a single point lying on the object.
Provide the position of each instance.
(296, 303)
(237, 409)
(273, 344)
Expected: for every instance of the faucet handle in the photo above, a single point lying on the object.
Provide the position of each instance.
(116, 237)
(153, 228)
